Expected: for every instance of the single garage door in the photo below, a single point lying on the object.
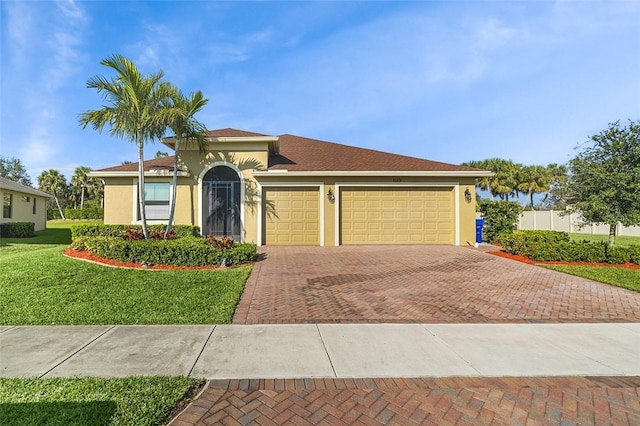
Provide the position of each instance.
(292, 216)
(397, 215)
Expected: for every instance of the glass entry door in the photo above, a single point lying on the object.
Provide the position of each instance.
(221, 203)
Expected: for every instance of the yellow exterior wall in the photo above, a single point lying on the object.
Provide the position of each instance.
(118, 199)
(467, 212)
(22, 210)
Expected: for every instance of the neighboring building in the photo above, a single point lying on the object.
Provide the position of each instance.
(290, 190)
(22, 203)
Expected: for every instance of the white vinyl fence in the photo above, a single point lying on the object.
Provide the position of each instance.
(552, 220)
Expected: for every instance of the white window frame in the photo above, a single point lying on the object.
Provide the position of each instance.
(134, 212)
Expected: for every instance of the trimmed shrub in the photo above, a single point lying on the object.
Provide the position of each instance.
(567, 251)
(617, 254)
(544, 246)
(185, 251)
(122, 231)
(86, 213)
(500, 217)
(53, 214)
(518, 241)
(634, 254)
(17, 229)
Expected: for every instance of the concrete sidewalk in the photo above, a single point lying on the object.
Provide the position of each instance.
(322, 350)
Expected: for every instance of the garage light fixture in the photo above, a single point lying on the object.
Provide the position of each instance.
(330, 196)
(467, 195)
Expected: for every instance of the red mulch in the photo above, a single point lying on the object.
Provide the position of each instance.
(525, 259)
(89, 257)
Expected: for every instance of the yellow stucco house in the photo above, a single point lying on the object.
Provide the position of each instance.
(22, 203)
(291, 190)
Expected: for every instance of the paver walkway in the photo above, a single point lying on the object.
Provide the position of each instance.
(424, 284)
(430, 401)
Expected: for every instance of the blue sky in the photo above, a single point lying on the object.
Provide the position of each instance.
(448, 81)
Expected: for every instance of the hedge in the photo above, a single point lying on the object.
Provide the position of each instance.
(545, 246)
(186, 251)
(17, 229)
(87, 213)
(122, 231)
(517, 241)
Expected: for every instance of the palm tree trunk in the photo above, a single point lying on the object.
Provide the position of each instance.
(174, 187)
(82, 197)
(531, 197)
(55, 197)
(143, 213)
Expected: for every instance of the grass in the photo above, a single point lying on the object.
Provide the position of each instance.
(39, 286)
(93, 401)
(619, 277)
(622, 240)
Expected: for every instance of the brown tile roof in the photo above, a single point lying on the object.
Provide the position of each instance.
(232, 133)
(304, 154)
(165, 163)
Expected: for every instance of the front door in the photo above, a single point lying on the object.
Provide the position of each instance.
(221, 203)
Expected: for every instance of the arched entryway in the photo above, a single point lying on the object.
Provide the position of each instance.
(221, 203)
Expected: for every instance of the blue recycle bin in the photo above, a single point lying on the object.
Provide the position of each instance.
(479, 225)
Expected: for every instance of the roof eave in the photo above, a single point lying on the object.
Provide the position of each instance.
(147, 173)
(448, 173)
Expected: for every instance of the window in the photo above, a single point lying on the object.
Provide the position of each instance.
(7, 205)
(34, 205)
(156, 200)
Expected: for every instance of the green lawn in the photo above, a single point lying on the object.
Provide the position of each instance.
(620, 240)
(619, 277)
(93, 401)
(39, 286)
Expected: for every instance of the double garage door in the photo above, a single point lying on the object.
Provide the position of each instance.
(368, 215)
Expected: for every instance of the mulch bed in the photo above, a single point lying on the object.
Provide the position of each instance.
(92, 258)
(524, 259)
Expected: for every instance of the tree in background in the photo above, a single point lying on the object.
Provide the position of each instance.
(604, 179)
(13, 169)
(80, 182)
(180, 118)
(558, 175)
(503, 183)
(484, 182)
(53, 182)
(511, 179)
(132, 111)
(532, 180)
(161, 154)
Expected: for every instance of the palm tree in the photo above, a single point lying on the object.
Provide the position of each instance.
(503, 182)
(132, 111)
(180, 118)
(484, 182)
(533, 180)
(54, 183)
(558, 175)
(80, 181)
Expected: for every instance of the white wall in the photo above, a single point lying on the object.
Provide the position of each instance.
(552, 220)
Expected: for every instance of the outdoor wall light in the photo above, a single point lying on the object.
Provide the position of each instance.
(330, 196)
(467, 195)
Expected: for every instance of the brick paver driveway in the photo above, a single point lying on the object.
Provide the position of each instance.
(425, 284)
